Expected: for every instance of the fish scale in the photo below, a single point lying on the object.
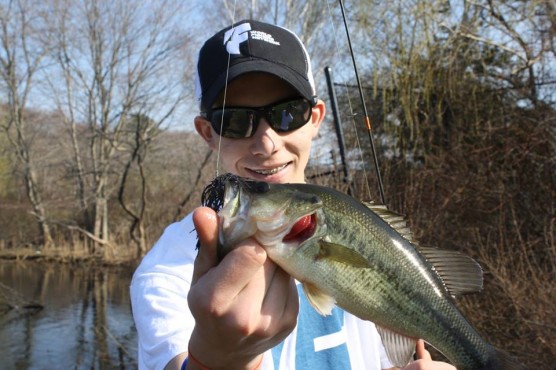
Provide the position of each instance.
(357, 260)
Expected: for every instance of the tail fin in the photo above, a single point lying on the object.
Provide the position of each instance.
(502, 361)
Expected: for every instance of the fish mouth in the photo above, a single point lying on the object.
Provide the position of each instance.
(272, 213)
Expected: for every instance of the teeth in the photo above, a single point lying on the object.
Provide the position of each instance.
(272, 171)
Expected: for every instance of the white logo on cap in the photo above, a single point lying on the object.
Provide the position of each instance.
(235, 36)
(239, 34)
(263, 36)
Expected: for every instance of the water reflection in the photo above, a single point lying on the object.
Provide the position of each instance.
(85, 323)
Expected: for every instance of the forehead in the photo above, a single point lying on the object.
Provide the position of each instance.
(256, 88)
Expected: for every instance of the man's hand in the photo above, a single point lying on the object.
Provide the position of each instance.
(242, 306)
(425, 362)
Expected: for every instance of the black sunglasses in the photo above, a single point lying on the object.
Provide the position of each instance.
(242, 122)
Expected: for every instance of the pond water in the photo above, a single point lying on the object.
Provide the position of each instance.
(85, 321)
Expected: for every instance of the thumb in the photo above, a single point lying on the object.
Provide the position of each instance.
(421, 352)
(206, 225)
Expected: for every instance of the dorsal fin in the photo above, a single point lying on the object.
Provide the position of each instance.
(395, 220)
(461, 274)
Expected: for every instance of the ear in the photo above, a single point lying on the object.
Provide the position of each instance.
(317, 116)
(204, 129)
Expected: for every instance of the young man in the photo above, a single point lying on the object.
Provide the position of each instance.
(259, 110)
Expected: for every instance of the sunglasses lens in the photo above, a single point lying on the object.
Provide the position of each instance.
(237, 123)
(233, 123)
(290, 116)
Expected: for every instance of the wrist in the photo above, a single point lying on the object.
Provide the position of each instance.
(193, 363)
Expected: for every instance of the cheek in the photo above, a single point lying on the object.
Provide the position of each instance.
(231, 152)
(301, 141)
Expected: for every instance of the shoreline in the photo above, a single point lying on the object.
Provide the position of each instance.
(64, 255)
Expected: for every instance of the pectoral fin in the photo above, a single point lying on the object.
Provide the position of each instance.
(320, 301)
(341, 253)
(399, 349)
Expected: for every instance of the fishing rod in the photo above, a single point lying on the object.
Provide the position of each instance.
(338, 127)
(366, 115)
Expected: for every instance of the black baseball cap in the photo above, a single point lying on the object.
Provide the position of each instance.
(252, 46)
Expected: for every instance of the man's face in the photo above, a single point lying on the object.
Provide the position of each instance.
(267, 155)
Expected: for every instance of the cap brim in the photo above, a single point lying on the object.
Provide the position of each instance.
(302, 85)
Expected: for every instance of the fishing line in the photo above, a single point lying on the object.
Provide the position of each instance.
(357, 140)
(225, 93)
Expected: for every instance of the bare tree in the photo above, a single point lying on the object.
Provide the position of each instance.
(114, 59)
(522, 35)
(143, 132)
(64, 100)
(22, 54)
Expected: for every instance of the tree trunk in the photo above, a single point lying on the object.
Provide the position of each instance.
(38, 209)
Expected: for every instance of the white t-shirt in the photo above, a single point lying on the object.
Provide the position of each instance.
(164, 323)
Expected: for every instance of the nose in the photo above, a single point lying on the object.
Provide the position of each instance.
(266, 141)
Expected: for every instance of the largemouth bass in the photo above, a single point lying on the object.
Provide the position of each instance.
(361, 258)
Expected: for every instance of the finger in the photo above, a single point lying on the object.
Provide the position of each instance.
(278, 287)
(206, 225)
(281, 300)
(421, 352)
(238, 268)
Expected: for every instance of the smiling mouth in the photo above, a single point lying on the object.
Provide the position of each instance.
(270, 171)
